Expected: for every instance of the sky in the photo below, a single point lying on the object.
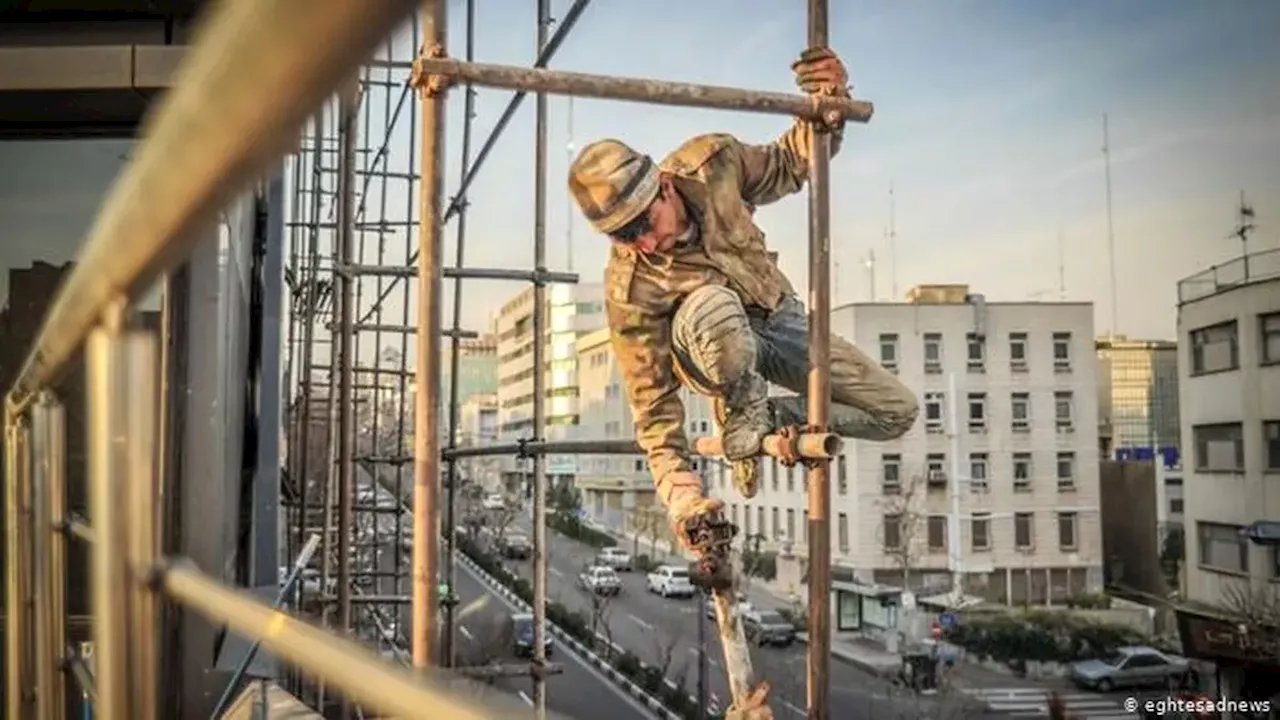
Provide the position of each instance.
(988, 127)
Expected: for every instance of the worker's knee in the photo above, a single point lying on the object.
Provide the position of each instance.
(898, 410)
(714, 344)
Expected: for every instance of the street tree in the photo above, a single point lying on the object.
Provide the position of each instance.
(600, 610)
(904, 527)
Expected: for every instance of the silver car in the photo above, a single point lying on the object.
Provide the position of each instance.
(1133, 666)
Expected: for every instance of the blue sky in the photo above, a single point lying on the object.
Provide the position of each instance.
(988, 125)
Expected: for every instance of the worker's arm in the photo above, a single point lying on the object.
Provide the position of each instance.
(642, 344)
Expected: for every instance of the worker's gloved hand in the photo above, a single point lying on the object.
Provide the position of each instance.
(686, 507)
(819, 71)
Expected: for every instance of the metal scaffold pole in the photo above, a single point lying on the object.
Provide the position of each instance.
(455, 363)
(819, 681)
(540, 548)
(426, 426)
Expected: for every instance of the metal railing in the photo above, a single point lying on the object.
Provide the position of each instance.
(245, 90)
(1248, 268)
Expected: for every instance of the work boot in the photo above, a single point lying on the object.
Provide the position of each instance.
(740, 437)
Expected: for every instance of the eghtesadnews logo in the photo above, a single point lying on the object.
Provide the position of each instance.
(1206, 705)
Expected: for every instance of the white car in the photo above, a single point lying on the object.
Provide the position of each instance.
(600, 580)
(615, 558)
(493, 502)
(669, 581)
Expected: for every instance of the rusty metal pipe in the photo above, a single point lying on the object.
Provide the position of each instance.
(657, 92)
(811, 446)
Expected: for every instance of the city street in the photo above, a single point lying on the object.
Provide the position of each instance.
(579, 692)
(665, 632)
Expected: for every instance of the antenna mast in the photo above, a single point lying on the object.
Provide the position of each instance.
(870, 262)
(892, 236)
(1111, 235)
(1242, 230)
(1062, 268)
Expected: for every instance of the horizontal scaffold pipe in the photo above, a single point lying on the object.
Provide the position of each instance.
(658, 92)
(809, 446)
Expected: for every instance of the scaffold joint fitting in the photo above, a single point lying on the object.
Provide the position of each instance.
(430, 85)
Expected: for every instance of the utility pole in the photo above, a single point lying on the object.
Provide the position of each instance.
(954, 549)
(1242, 230)
(1111, 234)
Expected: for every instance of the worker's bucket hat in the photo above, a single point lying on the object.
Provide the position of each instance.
(612, 183)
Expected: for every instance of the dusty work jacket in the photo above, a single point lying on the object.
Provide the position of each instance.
(722, 181)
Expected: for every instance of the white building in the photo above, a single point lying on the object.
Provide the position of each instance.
(1229, 376)
(1027, 527)
(613, 485)
(477, 427)
(571, 311)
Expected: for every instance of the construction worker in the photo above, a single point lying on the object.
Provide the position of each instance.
(693, 295)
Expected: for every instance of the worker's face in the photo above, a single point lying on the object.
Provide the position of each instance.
(663, 222)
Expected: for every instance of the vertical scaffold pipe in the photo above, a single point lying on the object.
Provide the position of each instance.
(426, 425)
(819, 689)
(540, 549)
(455, 361)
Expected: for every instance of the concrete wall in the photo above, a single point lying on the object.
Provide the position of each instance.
(1130, 526)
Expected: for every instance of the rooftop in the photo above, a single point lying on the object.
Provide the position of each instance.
(1245, 270)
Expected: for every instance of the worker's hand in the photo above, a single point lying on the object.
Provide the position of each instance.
(819, 71)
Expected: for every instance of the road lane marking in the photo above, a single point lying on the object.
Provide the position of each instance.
(794, 709)
(525, 697)
(465, 632)
(555, 572)
(640, 622)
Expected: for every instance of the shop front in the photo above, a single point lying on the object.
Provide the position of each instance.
(1243, 657)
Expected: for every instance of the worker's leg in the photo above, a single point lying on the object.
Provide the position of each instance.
(868, 402)
(716, 355)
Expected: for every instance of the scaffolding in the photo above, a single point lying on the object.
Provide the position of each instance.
(250, 84)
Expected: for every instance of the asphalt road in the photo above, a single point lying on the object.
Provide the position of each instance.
(579, 692)
(665, 632)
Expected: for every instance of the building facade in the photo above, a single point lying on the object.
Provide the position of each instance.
(1009, 501)
(1138, 399)
(1229, 375)
(477, 368)
(477, 427)
(571, 311)
(614, 486)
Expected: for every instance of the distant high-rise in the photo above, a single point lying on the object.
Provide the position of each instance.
(1138, 399)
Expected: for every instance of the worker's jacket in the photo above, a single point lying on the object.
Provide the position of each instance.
(722, 181)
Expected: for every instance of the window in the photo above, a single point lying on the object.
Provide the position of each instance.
(1219, 448)
(936, 475)
(775, 468)
(1215, 348)
(1222, 547)
(1018, 352)
(933, 353)
(1067, 530)
(1062, 352)
(639, 465)
(1271, 438)
(777, 526)
(977, 412)
(937, 526)
(1066, 471)
(977, 353)
(892, 532)
(978, 472)
(891, 474)
(1175, 506)
(804, 529)
(1269, 344)
(980, 531)
(1020, 404)
(746, 521)
(842, 475)
(1064, 410)
(791, 479)
(761, 528)
(733, 513)
(1022, 471)
(889, 351)
(933, 412)
(1024, 536)
(791, 524)
(842, 531)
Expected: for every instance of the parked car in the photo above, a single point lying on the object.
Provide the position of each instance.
(493, 502)
(744, 606)
(522, 636)
(615, 558)
(768, 627)
(1133, 666)
(600, 580)
(516, 546)
(669, 581)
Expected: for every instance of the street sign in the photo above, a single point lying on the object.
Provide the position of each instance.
(948, 620)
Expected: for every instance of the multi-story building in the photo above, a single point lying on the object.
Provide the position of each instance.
(477, 368)
(571, 311)
(1021, 457)
(1229, 375)
(1138, 399)
(614, 485)
(478, 426)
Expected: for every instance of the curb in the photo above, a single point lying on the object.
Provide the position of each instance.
(579, 649)
(883, 672)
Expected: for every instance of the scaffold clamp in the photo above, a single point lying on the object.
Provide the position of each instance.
(430, 84)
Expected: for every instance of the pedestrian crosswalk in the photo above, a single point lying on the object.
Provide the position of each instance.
(1030, 702)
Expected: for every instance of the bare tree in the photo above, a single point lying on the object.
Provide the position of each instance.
(500, 520)
(654, 526)
(904, 527)
(601, 613)
(488, 644)
(664, 650)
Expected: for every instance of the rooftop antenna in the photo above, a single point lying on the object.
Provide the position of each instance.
(870, 263)
(1111, 234)
(1244, 227)
(1062, 268)
(891, 235)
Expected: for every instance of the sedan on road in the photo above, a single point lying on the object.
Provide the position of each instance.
(670, 581)
(1133, 666)
(766, 627)
(522, 636)
(615, 558)
(600, 580)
